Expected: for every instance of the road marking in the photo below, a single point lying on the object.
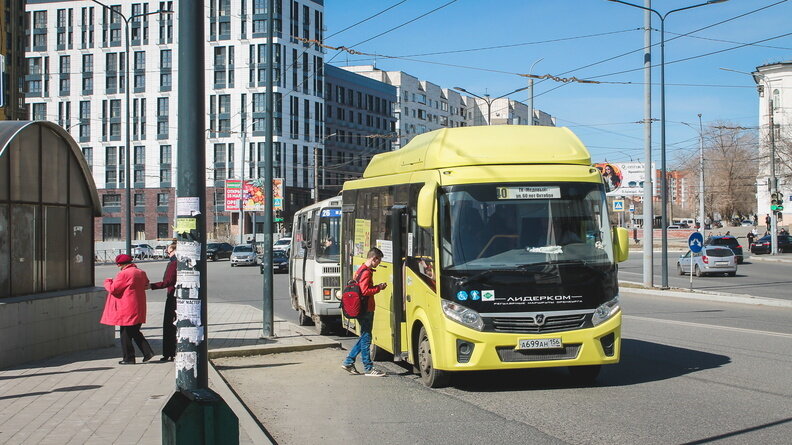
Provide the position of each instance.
(710, 326)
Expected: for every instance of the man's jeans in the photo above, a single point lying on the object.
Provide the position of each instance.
(363, 344)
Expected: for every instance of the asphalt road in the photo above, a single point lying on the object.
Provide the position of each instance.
(691, 372)
(758, 278)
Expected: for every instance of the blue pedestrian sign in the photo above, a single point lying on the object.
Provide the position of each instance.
(696, 242)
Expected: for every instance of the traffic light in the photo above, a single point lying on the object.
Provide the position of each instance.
(278, 215)
(777, 202)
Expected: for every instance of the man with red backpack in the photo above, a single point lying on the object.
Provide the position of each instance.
(364, 278)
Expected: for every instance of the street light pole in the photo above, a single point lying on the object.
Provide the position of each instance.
(702, 214)
(489, 101)
(531, 93)
(127, 150)
(664, 179)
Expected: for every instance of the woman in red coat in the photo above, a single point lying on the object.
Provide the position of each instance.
(126, 307)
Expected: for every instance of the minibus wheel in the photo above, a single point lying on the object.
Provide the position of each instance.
(378, 354)
(431, 377)
(585, 374)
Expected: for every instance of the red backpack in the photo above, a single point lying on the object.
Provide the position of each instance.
(353, 302)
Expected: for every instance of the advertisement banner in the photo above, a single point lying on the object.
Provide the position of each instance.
(252, 194)
(622, 178)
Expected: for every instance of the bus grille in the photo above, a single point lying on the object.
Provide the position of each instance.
(334, 282)
(509, 354)
(331, 269)
(528, 325)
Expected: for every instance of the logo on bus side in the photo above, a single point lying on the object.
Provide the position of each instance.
(488, 295)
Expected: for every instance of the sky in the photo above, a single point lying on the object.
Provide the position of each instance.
(568, 38)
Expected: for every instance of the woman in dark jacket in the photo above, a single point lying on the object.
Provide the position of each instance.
(169, 318)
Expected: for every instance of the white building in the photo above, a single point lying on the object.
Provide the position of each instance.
(779, 78)
(424, 106)
(76, 73)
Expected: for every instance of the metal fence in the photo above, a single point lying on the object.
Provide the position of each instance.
(106, 256)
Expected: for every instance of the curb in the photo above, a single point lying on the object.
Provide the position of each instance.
(769, 259)
(245, 351)
(250, 423)
(706, 296)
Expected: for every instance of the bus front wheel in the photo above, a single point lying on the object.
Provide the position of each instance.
(431, 376)
(303, 319)
(585, 374)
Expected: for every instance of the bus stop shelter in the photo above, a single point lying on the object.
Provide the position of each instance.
(48, 200)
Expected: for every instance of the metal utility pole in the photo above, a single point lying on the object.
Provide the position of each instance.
(702, 214)
(194, 413)
(267, 310)
(648, 192)
(242, 195)
(531, 93)
(316, 173)
(773, 179)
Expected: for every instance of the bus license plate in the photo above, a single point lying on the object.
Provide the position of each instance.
(540, 343)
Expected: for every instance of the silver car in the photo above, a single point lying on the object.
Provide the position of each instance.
(244, 254)
(711, 260)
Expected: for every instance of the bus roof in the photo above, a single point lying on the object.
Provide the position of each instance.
(482, 145)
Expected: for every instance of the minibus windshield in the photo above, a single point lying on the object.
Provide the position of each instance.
(513, 226)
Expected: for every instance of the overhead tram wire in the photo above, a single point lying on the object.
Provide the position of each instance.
(365, 20)
(405, 23)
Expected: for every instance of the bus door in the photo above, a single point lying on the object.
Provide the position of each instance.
(398, 227)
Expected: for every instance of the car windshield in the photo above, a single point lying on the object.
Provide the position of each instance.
(719, 252)
(510, 226)
(283, 242)
(213, 246)
(238, 249)
(329, 228)
(280, 254)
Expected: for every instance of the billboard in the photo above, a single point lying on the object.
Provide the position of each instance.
(622, 178)
(252, 194)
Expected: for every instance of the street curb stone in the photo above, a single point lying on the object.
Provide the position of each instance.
(706, 296)
(245, 351)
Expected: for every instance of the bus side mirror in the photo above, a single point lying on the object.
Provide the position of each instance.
(621, 244)
(426, 200)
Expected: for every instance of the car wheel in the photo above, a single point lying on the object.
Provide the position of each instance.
(698, 272)
(303, 319)
(679, 269)
(232, 264)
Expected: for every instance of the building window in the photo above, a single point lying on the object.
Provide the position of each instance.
(163, 231)
(140, 199)
(163, 199)
(111, 232)
(111, 200)
(165, 154)
(165, 174)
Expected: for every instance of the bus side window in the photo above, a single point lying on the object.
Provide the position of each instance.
(421, 260)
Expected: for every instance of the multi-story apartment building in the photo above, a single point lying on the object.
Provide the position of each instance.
(778, 77)
(421, 106)
(504, 111)
(359, 123)
(76, 77)
(12, 52)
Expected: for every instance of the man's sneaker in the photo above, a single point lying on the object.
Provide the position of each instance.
(350, 369)
(375, 373)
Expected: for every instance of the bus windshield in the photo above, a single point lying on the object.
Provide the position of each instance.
(513, 226)
(329, 229)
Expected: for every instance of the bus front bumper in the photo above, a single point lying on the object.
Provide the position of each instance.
(467, 349)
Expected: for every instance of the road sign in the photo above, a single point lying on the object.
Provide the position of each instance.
(632, 208)
(696, 242)
(618, 205)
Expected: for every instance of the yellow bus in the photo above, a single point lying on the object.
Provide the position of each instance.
(498, 252)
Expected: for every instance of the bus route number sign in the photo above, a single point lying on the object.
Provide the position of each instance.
(549, 192)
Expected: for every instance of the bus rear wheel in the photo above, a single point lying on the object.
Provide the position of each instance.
(431, 376)
(585, 374)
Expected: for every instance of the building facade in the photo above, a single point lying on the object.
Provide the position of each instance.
(504, 111)
(421, 105)
(359, 123)
(12, 53)
(778, 78)
(76, 77)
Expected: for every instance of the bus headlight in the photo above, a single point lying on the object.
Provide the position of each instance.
(462, 315)
(605, 311)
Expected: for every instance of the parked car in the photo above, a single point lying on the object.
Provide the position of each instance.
(711, 260)
(280, 261)
(282, 244)
(762, 245)
(727, 241)
(747, 223)
(243, 254)
(142, 251)
(216, 251)
(674, 226)
(159, 251)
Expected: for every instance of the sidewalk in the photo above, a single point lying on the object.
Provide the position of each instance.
(88, 398)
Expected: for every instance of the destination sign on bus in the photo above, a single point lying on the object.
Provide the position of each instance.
(331, 213)
(549, 192)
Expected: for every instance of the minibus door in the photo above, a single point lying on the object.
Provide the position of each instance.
(398, 234)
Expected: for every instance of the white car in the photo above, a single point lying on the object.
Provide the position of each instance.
(142, 251)
(282, 244)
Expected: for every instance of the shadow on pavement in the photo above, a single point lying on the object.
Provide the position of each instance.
(641, 362)
(41, 393)
(39, 374)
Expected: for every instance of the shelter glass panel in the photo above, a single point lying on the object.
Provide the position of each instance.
(81, 271)
(4, 177)
(5, 254)
(55, 155)
(55, 248)
(24, 166)
(24, 220)
(78, 185)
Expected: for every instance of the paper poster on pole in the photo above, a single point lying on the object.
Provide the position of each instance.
(187, 361)
(193, 334)
(362, 237)
(189, 310)
(187, 206)
(188, 279)
(188, 252)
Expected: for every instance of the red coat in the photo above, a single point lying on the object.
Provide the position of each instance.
(126, 298)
